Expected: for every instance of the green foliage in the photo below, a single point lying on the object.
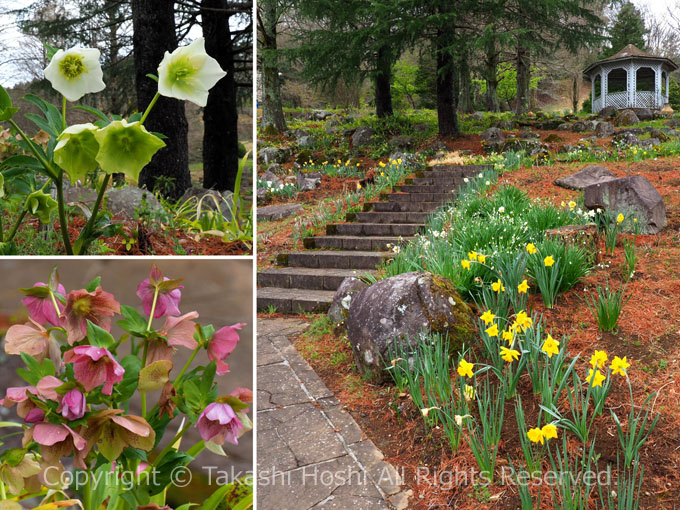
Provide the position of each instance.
(674, 94)
(628, 28)
(404, 88)
(587, 105)
(606, 306)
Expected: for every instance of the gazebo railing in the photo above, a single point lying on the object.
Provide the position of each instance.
(618, 100)
(597, 104)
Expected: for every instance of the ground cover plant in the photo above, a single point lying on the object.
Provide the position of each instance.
(91, 436)
(37, 170)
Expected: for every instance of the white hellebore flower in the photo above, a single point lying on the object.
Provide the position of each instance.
(189, 73)
(75, 72)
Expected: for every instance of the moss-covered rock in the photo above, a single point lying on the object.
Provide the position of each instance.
(400, 309)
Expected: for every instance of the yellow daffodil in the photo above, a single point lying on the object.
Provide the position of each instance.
(488, 317)
(619, 218)
(572, 204)
(382, 165)
(549, 261)
(549, 431)
(595, 377)
(472, 255)
(523, 320)
(498, 286)
(620, 366)
(465, 368)
(598, 359)
(509, 354)
(481, 258)
(469, 392)
(465, 264)
(531, 248)
(551, 346)
(523, 287)
(535, 435)
(508, 336)
(427, 410)
(492, 330)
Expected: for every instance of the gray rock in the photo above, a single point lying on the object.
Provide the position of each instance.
(342, 298)
(626, 118)
(507, 124)
(526, 134)
(221, 201)
(565, 126)
(126, 202)
(607, 112)
(673, 123)
(644, 114)
(407, 158)
(650, 142)
(402, 142)
(629, 194)
(269, 176)
(270, 155)
(277, 212)
(319, 115)
(493, 135)
(584, 125)
(421, 128)
(604, 130)
(586, 177)
(308, 181)
(362, 136)
(626, 138)
(306, 142)
(399, 309)
(83, 195)
(478, 115)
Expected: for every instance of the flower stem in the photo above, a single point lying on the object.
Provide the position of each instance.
(87, 492)
(188, 363)
(63, 113)
(62, 215)
(93, 217)
(153, 309)
(196, 449)
(3, 494)
(148, 108)
(146, 344)
(16, 225)
(54, 302)
(170, 445)
(33, 149)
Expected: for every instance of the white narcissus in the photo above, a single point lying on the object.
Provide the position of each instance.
(75, 72)
(188, 73)
(77, 150)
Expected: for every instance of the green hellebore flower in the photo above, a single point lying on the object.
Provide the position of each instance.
(188, 73)
(126, 148)
(41, 205)
(75, 72)
(77, 150)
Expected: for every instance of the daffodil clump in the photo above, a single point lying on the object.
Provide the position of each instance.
(111, 144)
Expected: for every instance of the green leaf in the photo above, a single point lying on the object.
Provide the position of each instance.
(208, 377)
(8, 248)
(92, 286)
(245, 503)
(169, 285)
(34, 370)
(164, 472)
(53, 282)
(132, 365)
(99, 336)
(40, 292)
(153, 77)
(192, 394)
(234, 402)
(50, 51)
(216, 498)
(133, 323)
(7, 111)
(95, 112)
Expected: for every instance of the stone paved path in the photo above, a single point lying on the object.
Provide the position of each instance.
(311, 453)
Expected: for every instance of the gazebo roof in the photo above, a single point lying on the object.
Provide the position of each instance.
(631, 52)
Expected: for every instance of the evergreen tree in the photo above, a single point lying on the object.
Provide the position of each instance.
(629, 28)
(269, 16)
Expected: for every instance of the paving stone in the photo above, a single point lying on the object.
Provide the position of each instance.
(280, 387)
(277, 212)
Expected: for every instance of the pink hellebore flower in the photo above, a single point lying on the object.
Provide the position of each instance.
(81, 306)
(32, 339)
(93, 366)
(218, 423)
(26, 408)
(222, 344)
(178, 331)
(35, 415)
(41, 309)
(57, 441)
(73, 405)
(167, 302)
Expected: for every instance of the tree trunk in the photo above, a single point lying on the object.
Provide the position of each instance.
(272, 105)
(446, 89)
(220, 116)
(153, 23)
(575, 92)
(466, 103)
(523, 79)
(491, 77)
(383, 83)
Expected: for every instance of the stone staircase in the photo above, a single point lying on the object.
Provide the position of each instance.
(306, 280)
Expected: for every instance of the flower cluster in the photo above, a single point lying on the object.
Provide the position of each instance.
(79, 385)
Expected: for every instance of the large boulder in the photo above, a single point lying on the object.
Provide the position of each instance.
(493, 135)
(130, 201)
(628, 195)
(398, 309)
(625, 138)
(306, 142)
(342, 298)
(586, 177)
(644, 114)
(270, 155)
(604, 130)
(362, 136)
(626, 118)
(607, 112)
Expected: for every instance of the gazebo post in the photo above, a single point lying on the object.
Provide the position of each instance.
(668, 84)
(631, 84)
(603, 86)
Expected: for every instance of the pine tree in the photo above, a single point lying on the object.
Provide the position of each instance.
(629, 28)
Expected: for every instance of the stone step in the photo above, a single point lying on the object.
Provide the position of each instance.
(447, 183)
(412, 206)
(294, 300)
(420, 197)
(367, 243)
(373, 229)
(306, 277)
(333, 259)
(426, 189)
(388, 217)
(460, 170)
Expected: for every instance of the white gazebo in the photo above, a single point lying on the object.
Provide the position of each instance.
(630, 79)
